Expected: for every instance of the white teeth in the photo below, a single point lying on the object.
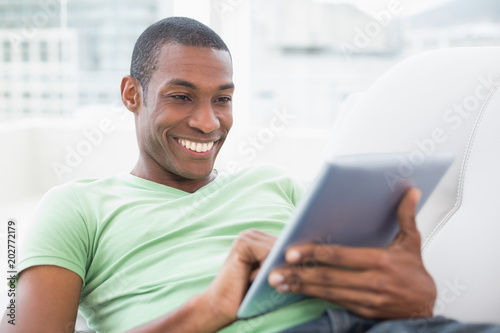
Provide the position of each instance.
(196, 146)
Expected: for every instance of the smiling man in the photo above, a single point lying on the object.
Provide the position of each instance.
(123, 250)
(184, 115)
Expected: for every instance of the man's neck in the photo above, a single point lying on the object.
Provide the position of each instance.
(166, 178)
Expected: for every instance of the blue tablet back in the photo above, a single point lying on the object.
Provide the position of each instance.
(353, 202)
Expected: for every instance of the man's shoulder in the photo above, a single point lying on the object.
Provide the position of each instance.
(255, 173)
(264, 180)
(264, 174)
(86, 185)
(117, 179)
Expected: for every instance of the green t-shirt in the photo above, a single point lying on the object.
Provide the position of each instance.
(143, 249)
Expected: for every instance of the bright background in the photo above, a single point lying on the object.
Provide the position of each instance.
(61, 62)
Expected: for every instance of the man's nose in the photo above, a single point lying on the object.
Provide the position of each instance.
(204, 118)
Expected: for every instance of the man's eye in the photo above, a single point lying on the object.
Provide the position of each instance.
(181, 97)
(223, 99)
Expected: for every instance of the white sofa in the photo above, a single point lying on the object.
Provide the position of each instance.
(447, 100)
(442, 100)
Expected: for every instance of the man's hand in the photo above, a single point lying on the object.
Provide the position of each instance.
(226, 292)
(217, 306)
(371, 282)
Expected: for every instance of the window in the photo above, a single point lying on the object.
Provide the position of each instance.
(44, 51)
(7, 51)
(60, 51)
(63, 51)
(25, 51)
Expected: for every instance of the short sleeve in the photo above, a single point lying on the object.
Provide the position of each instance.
(297, 191)
(279, 175)
(58, 233)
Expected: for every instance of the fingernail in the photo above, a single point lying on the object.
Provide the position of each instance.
(293, 256)
(276, 278)
(283, 287)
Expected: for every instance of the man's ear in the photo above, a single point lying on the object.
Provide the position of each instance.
(131, 93)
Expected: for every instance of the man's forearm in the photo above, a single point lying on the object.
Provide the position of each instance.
(196, 316)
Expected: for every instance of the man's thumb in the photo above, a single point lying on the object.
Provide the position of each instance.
(406, 215)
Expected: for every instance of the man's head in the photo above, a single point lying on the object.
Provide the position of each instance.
(172, 30)
(183, 119)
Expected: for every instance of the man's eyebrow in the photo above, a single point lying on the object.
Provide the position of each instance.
(178, 82)
(227, 86)
(184, 83)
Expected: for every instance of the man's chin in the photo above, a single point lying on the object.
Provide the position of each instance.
(198, 174)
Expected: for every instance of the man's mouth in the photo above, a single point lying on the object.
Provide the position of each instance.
(199, 147)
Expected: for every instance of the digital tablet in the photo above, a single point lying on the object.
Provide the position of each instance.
(353, 202)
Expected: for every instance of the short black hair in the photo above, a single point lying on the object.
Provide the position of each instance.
(171, 30)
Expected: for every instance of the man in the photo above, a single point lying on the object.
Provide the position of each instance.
(148, 251)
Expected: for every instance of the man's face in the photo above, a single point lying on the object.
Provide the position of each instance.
(188, 111)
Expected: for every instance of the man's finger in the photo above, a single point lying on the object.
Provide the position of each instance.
(339, 296)
(406, 218)
(257, 235)
(407, 209)
(334, 255)
(327, 277)
(252, 246)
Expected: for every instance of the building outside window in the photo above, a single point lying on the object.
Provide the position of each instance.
(7, 50)
(25, 51)
(44, 51)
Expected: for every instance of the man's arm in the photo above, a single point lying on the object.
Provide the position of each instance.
(379, 283)
(218, 305)
(48, 296)
(46, 301)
